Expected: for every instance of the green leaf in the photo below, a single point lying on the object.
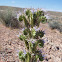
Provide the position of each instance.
(34, 19)
(40, 43)
(21, 18)
(41, 57)
(40, 13)
(27, 44)
(26, 22)
(43, 19)
(33, 32)
(20, 53)
(35, 46)
(31, 21)
(22, 37)
(25, 31)
(40, 33)
(21, 56)
(30, 47)
(28, 12)
(37, 56)
(28, 57)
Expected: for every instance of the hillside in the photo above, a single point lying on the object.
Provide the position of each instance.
(11, 8)
(54, 15)
(21, 9)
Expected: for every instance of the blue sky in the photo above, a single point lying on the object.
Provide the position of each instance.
(55, 5)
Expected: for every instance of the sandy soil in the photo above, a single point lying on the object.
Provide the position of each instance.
(10, 44)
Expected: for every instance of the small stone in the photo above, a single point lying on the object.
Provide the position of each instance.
(50, 47)
(46, 59)
(57, 48)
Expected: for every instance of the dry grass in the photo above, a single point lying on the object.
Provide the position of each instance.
(56, 25)
(9, 18)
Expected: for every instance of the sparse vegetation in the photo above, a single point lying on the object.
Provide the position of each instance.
(11, 8)
(9, 18)
(55, 25)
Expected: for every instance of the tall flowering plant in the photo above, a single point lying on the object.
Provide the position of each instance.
(32, 35)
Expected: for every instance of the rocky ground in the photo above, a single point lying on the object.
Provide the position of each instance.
(10, 44)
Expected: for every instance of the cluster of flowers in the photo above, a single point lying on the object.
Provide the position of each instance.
(31, 35)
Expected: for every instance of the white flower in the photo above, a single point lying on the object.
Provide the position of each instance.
(17, 52)
(35, 10)
(33, 54)
(33, 41)
(32, 11)
(25, 10)
(19, 34)
(47, 16)
(18, 15)
(23, 29)
(30, 29)
(36, 29)
(24, 52)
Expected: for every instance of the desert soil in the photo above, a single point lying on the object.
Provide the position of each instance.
(10, 44)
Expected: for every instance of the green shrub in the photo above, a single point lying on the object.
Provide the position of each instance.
(32, 36)
(56, 25)
(9, 18)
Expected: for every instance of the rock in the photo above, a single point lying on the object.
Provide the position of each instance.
(57, 48)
